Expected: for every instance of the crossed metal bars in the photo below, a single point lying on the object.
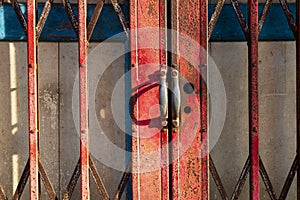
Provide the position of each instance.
(254, 163)
(34, 170)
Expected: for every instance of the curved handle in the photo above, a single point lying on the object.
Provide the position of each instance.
(176, 100)
(163, 96)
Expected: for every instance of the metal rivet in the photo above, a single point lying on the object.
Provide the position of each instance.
(187, 109)
(164, 123)
(189, 88)
(174, 73)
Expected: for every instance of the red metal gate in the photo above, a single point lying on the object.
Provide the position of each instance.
(254, 164)
(34, 170)
(187, 176)
(190, 18)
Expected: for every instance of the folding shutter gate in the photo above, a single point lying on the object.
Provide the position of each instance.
(187, 176)
(34, 170)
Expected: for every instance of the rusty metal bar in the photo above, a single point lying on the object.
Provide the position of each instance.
(43, 17)
(20, 15)
(266, 180)
(163, 101)
(121, 17)
(94, 19)
(47, 183)
(145, 14)
(289, 179)
(134, 63)
(71, 15)
(214, 18)
(123, 182)
(241, 18)
(22, 182)
(32, 99)
(73, 181)
(289, 16)
(264, 14)
(174, 59)
(253, 98)
(217, 179)
(241, 182)
(203, 102)
(83, 99)
(2, 193)
(98, 180)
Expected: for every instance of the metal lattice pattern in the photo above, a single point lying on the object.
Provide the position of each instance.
(254, 164)
(34, 170)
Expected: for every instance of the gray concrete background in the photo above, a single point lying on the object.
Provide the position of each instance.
(276, 109)
(60, 143)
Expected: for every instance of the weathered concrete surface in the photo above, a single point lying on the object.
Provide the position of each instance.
(13, 106)
(276, 109)
(59, 142)
(104, 84)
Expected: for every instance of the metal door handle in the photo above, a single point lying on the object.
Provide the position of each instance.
(176, 100)
(163, 96)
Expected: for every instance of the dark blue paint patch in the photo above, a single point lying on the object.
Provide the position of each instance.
(275, 27)
(58, 27)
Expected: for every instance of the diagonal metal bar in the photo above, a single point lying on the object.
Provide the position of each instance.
(289, 179)
(94, 19)
(266, 180)
(98, 180)
(22, 182)
(123, 182)
(71, 15)
(121, 16)
(241, 18)
(43, 17)
(264, 14)
(241, 182)
(73, 181)
(20, 15)
(217, 179)
(214, 18)
(47, 183)
(289, 16)
(2, 193)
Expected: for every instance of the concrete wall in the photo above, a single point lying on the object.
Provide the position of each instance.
(60, 143)
(276, 109)
(59, 140)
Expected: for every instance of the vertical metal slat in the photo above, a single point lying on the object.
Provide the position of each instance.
(203, 101)
(32, 99)
(83, 98)
(253, 98)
